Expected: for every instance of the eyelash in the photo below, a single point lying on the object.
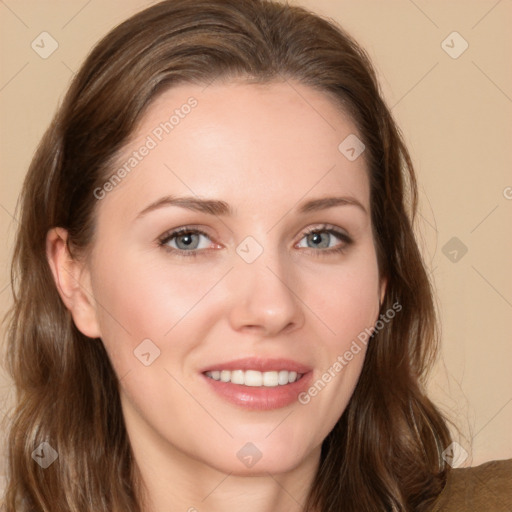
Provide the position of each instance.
(188, 230)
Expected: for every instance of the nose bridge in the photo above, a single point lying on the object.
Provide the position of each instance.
(263, 288)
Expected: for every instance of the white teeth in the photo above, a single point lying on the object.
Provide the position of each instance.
(255, 378)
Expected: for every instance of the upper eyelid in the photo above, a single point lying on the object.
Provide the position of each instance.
(176, 232)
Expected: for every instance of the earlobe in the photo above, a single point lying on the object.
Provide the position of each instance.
(72, 279)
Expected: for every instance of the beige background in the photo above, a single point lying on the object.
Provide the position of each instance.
(456, 115)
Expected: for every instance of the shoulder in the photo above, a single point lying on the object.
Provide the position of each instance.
(484, 487)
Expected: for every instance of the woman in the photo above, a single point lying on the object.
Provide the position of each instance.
(219, 300)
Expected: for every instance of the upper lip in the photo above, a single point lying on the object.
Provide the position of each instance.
(259, 364)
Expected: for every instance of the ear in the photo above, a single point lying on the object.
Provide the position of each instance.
(73, 282)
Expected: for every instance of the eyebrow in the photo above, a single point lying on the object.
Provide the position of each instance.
(221, 208)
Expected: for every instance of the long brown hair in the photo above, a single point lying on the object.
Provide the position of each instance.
(384, 453)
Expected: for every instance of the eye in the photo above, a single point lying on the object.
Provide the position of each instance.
(185, 241)
(324, 238)
(188, 241)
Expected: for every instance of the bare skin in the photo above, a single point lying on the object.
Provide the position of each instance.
(263, 150)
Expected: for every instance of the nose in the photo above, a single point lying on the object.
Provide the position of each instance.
(264, 300)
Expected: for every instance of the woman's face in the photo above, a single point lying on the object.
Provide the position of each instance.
(247, 281)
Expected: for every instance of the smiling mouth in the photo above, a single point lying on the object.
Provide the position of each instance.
(254, 378)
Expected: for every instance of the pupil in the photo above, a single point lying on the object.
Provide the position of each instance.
(185, 241)
(316, 238)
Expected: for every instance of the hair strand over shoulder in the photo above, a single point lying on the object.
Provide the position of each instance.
(385, 451)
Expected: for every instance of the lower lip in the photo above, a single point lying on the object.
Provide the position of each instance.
(260, 398)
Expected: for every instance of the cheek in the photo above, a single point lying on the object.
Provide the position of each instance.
(144, 296)
(140, 297)
(345, 297)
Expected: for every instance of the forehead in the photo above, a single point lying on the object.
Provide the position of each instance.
(250, 143)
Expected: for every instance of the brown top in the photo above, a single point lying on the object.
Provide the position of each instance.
(486, 488)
